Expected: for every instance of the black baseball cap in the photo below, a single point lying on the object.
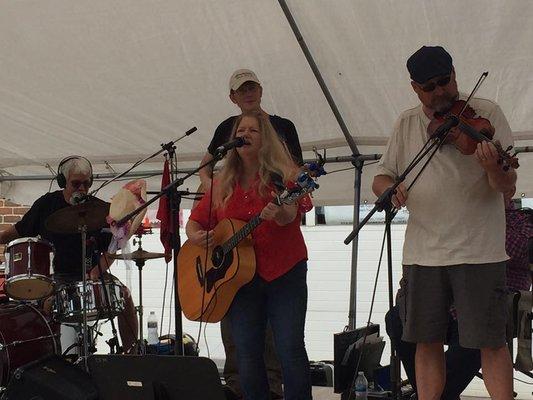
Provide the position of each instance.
(429, 62)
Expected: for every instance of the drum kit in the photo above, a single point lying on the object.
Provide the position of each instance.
(34, 306)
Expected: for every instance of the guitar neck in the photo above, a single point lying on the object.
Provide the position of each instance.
(231, 243)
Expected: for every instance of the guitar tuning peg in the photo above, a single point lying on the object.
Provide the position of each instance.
(509, 148)
(319, 157)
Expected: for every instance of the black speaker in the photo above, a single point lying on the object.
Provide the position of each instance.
(346, 356)
(321, 373)
(50, 378)
(153, 377)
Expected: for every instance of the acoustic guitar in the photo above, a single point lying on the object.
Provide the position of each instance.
(206, 289)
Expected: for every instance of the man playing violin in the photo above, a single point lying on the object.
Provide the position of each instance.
(454, 249)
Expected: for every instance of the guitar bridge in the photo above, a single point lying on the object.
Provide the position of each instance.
(200, 271)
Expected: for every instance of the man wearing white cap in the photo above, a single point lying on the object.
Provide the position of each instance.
(245, 92)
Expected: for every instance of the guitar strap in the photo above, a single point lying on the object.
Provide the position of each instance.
(277, 181)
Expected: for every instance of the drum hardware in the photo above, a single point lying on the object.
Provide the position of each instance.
(139, 256)
(85, 353)
(113, 343)
(19, 342)
(80, 218)
(78, 343)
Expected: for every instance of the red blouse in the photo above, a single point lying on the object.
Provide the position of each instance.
(277, 248)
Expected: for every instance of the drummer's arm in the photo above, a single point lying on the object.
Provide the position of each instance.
(105, 262)
(8, 235)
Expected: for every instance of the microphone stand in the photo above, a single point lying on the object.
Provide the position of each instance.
(384, 203)
(136, 164)
(175, 198)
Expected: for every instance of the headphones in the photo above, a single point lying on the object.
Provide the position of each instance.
(62, 179)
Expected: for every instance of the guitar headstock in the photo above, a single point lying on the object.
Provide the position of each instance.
(305, 184)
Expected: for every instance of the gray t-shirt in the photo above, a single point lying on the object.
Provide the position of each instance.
(455, 217)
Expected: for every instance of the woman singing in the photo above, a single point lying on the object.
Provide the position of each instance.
(278, 292)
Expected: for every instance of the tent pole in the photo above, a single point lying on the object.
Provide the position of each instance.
(352, 314)
(353, 147)
(318, 76)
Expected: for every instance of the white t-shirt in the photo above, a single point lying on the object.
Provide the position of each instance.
(455, 217)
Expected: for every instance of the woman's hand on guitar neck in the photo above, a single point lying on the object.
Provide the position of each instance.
(202, 238)
(281, 215)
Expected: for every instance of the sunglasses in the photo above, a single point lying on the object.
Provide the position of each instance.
(247, 87)
(429, 87)
(77, 184)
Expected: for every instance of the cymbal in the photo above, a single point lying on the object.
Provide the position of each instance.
(92, 213)
(137, 255)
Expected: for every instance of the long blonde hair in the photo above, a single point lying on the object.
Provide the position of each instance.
(273, 158)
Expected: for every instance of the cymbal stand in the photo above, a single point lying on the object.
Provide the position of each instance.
(168, 190)
(140, 264)
(85, 350)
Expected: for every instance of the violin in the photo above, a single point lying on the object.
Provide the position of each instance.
(470, 130)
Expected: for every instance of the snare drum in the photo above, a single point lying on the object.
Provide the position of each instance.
(25, 335)
(29, 267)
(69, 301)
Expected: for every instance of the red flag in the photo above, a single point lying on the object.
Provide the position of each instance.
(163, 215)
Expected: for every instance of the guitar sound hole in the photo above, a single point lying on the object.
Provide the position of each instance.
(217, 257)
(221, 263)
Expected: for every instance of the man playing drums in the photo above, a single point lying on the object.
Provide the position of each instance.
(75, 178)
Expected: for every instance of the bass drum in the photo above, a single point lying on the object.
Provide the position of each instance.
(3, 295)
(25, 336)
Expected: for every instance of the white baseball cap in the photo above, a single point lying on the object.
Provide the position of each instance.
(241, 76)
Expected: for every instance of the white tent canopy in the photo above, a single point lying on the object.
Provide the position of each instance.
(112, 80)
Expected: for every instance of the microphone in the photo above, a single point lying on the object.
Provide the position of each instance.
(192, 130)
(237, 142)
(78, 198)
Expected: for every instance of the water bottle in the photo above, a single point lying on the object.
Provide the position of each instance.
(361, 387)
(153, 335)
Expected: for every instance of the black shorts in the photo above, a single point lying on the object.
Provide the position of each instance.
(477, 291)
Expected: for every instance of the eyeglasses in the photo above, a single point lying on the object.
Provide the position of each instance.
(429, 87)
(76, 184)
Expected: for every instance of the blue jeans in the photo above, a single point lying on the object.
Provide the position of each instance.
(283, 302)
